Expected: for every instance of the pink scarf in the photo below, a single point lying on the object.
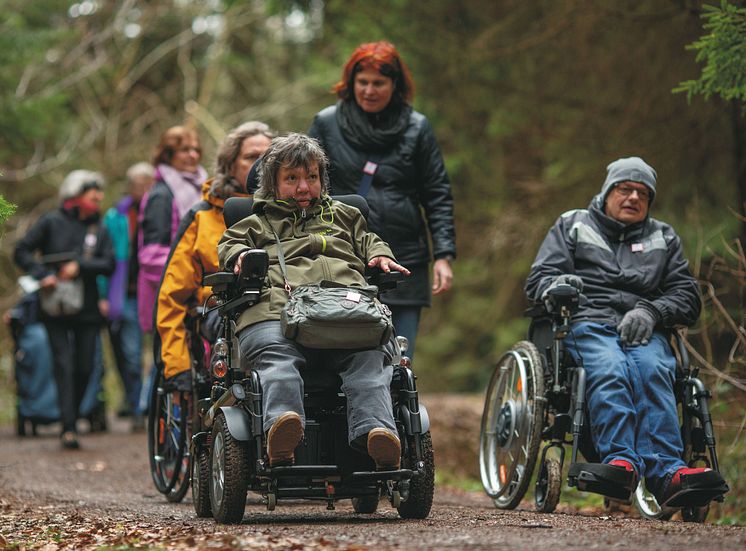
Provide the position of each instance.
(185, 186)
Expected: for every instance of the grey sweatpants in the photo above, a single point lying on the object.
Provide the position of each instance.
(366, 377)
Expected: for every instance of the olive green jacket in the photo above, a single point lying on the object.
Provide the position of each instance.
(328, 241)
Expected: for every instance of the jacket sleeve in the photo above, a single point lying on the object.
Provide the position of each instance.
(28, 245)
(435, 193)
(182, 279)
(679, 303)
(235, 240)
(102, 261)
(555, 257)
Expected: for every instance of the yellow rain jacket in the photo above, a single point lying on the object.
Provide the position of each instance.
(194, 255)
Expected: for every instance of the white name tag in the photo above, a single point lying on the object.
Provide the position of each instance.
(637, 247)
(353, 296)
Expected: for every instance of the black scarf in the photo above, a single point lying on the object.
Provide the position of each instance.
(372, 131)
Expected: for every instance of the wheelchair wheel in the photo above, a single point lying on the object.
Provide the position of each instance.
(548, 485)
(201, 482)
(421, 488)
(365, 505)
(229, 474)
(168, 437)
(511, 425)
(648, 506)
(695, 514)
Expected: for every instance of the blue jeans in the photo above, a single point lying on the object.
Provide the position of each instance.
(631, 401)
(366, 377)
(406, 323)
(126, 341)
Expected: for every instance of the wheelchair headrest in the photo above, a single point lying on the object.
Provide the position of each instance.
(238, 208)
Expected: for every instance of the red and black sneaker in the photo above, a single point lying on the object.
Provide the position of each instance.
(692, 487)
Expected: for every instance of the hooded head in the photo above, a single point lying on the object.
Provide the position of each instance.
(78, 182)
(629, 169)
(81, 192)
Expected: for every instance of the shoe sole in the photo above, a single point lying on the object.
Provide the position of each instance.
(385, 449)
(283, 437)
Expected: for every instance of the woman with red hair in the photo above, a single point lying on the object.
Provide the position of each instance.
(382, 149)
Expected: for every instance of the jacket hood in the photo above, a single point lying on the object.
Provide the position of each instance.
(218, 199)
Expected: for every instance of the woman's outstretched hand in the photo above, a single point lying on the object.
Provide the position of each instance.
(386, 264)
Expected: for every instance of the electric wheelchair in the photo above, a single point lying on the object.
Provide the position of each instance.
(537, 394)
(215, 436)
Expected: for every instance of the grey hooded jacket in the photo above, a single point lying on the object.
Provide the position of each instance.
(620, 266)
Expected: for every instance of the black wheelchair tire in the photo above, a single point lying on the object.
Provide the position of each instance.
(201, 482)
(695, 514)
(421, 488)
(365, 505)
(548, 485)
(173, 485)
(507, 488)
(230, 461)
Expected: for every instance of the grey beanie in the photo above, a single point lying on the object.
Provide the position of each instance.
(629, 169)
(78, 182)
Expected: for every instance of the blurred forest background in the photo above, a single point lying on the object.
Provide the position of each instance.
(530, 101)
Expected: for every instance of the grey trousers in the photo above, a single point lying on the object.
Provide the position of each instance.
(366, 377)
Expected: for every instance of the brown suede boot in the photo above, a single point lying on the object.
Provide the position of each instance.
(385, 449)
(282, 438)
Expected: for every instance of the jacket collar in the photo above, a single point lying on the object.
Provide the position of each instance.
(614, 229)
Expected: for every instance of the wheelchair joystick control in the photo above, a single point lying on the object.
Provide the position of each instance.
(254, 267)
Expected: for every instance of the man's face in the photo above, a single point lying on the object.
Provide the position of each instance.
(299, 184)
(628, 202)
(251, 149)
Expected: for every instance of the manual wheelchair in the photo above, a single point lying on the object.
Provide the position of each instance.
(537, 394)
(218, 438)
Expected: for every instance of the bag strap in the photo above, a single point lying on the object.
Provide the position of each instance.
(369, 170)
(280, 257)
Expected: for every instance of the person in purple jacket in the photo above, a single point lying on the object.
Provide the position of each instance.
(119, 304)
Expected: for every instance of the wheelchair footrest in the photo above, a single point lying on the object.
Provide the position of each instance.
(608, 480)
(697, 490)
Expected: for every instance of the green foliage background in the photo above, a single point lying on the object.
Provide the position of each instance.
(530, 101)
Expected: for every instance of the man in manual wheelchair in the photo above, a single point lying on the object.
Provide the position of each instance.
(283, 419)
(610, 285)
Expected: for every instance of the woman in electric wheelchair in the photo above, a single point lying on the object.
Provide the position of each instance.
(310, 238)
(636, 289)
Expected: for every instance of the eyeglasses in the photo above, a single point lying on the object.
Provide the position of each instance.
(626, 190)
(188, 149)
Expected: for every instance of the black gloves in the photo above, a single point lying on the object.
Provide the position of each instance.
(637, 325)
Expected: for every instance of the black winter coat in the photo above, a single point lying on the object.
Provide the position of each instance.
(61, 232)
(411, 194)
(621, 266)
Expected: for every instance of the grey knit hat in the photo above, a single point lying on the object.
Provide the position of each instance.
(629, 169)
(78, 182)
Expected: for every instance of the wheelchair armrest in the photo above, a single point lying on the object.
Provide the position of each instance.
(385, 281)
(218, 278)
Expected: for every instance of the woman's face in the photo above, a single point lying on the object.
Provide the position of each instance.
(251, 149)
(187, 155)
(373, 91)
(300, 184)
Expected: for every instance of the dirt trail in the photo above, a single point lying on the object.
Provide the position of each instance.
(102, 496)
